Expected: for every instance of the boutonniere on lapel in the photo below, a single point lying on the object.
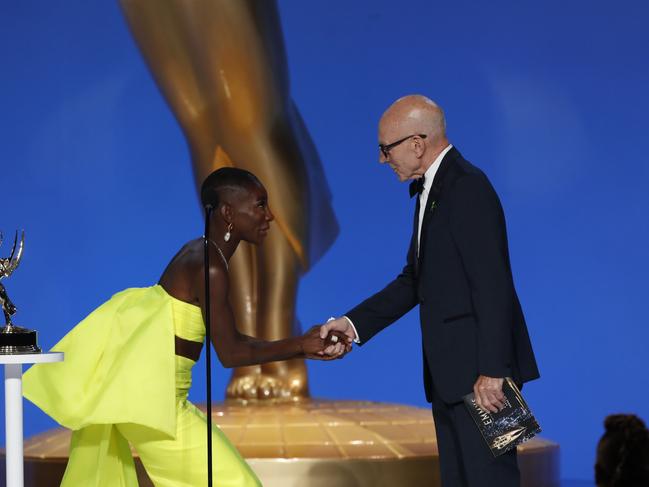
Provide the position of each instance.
(433, 205)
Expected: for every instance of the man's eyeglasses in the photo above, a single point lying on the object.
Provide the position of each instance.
(385, 149)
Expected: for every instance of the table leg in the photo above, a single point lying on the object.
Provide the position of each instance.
(14, 424)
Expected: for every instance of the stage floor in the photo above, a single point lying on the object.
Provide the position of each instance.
(319, 443)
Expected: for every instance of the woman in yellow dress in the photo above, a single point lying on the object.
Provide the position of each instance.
(127, 367)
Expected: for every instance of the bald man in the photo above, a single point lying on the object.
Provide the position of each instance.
(458, 272)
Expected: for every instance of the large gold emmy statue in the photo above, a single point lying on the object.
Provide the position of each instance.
(222, 68)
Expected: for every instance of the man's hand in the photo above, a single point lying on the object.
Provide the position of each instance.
(489, 393)
(341, 325)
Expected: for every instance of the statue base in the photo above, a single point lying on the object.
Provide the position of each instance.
(318, 443)
(15, 340)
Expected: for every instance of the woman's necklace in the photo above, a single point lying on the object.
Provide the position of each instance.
(225, 261)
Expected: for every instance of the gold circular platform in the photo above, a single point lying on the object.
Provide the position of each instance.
(318, 443)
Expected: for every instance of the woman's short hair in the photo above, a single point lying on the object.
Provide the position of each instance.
(222, 180)
(623, 452)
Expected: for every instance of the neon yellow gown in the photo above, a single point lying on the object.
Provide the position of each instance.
(121, 382)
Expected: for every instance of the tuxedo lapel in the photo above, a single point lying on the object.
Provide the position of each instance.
(434, 198)
(413, 240)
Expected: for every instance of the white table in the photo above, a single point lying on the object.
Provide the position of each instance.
(14, 409)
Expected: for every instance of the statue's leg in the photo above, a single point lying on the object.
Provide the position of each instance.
(222, 68)
(279, 274)
(243, 299)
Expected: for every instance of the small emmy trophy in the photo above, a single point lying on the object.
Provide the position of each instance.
(13, 339)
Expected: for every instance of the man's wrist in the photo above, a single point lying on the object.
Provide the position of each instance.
(498, 372)
(351, 323)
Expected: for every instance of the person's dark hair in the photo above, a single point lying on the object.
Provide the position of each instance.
(225, 179)
(623, 452)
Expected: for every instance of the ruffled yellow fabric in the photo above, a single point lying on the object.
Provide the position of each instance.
(100, 455)
(122, 383)
(118, 367)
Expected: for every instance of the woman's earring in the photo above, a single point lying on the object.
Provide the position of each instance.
(228, 234)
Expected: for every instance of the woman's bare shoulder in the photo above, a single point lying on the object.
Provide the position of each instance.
(180, 276)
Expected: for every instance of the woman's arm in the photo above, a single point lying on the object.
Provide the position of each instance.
(235, 349)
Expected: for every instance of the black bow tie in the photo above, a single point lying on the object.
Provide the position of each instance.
(417, 186)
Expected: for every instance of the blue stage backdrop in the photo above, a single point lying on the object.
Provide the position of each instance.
(549, 98)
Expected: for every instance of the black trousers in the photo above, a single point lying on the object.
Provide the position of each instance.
(464, 457)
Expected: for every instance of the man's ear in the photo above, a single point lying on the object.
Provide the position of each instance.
(418, 146)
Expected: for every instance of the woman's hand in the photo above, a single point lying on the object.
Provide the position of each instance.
(313, 346)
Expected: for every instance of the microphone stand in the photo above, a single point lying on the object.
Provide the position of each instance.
(208, 339)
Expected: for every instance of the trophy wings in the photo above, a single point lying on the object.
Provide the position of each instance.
(9, 264)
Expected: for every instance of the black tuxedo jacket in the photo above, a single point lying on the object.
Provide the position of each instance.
(471, 320)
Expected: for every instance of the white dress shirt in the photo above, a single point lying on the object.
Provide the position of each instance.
(429, 176)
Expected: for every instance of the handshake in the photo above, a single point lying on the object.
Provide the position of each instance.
(328, 341)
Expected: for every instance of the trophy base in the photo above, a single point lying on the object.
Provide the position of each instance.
(15, 340)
